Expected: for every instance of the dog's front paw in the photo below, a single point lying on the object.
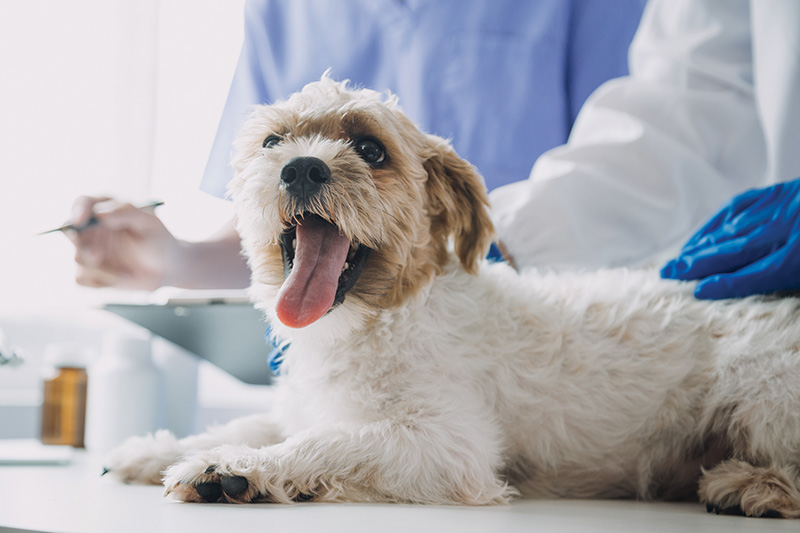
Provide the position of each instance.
(232, 474)
(143, 459)
(738, 488)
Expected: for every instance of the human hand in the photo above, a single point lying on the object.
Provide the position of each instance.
(751, 246)
(128, 247)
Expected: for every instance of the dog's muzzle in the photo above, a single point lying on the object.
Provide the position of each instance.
(320, 263)
(302, 177)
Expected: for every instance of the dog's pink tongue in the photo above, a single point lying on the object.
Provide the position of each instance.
(310, 289)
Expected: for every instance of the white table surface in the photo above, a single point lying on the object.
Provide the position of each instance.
(74, 498)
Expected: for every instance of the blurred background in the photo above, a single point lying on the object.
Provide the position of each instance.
(102, 97)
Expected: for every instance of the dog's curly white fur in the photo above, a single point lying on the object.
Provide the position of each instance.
(444, 379)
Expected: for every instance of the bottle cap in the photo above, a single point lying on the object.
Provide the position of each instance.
(130, 346)
(65, 355)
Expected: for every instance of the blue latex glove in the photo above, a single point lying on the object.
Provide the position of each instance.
(751, 246)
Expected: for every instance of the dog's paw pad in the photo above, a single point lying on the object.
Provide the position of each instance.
(734, 510)
(228, 474)
(234, 485)
(210, 492)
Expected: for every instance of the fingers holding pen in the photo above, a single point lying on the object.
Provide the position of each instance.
(118, 244)
(87, 211)
(83, 209)
(90, 246)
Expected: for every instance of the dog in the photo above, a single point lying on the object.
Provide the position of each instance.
(419, 372)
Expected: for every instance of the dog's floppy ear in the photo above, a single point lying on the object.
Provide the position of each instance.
(457, 204)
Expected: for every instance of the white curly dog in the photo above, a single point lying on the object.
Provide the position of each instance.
(418, 372)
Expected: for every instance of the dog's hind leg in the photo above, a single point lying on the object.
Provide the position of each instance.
(737, 487)
(757, 404)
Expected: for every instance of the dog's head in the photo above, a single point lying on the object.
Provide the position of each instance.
(340, 198)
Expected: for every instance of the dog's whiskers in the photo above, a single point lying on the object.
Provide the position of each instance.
(386, 212)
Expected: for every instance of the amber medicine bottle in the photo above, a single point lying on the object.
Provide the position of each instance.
(64, 403)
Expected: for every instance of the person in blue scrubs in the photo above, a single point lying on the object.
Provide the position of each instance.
(504, 79)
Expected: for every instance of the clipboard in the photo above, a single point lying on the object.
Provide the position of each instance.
(227, 331)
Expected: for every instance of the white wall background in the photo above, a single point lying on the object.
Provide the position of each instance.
(112, 97)
(116, 97)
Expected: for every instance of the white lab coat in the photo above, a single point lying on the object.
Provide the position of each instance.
(711, 108)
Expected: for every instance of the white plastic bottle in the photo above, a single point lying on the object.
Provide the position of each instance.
(123, 393)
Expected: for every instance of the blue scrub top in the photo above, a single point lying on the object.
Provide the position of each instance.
(503, 79)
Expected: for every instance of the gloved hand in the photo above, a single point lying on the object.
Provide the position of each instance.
(751, 246)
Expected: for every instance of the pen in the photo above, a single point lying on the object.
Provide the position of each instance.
(93, 221)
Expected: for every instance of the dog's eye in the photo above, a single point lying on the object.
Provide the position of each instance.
(370, 151)
(271, 141)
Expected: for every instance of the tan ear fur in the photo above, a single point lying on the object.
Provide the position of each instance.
(457, 205)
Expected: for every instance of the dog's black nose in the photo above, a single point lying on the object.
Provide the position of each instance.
(303, 176)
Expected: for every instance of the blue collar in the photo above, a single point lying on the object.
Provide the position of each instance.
(279, 347)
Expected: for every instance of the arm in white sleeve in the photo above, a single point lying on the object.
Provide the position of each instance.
(652, 154)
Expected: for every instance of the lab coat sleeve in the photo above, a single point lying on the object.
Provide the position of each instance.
(652, 154)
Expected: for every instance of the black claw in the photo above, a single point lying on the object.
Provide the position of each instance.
(710, 508)
(734, 510)
(234, 485)
(211, 492)
(105, 471)
(211, 469)
(302, 497)
(772, 513)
